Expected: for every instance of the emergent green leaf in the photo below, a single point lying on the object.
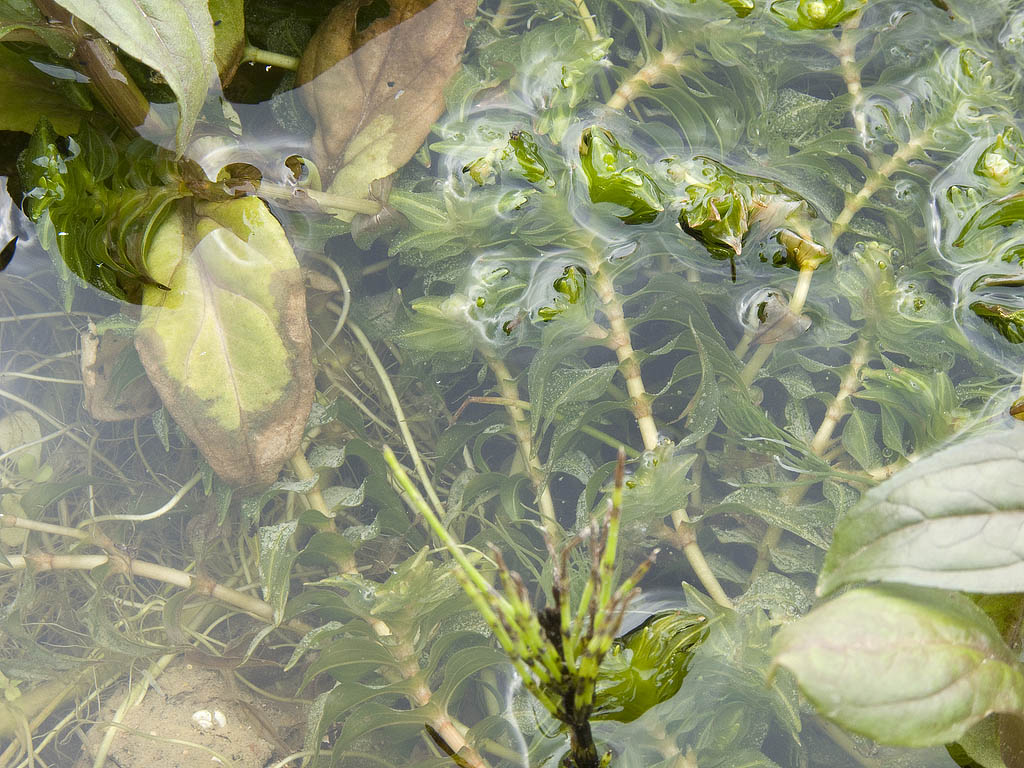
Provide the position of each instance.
(647, 665)
(174, 37)
(951, 520)
(1008, 320)
(616, 174)
(902, 665)
(228, 345)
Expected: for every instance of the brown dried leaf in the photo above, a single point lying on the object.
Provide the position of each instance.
(115, 388)
(375, 93)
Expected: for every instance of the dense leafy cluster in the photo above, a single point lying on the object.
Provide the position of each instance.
(770, 252)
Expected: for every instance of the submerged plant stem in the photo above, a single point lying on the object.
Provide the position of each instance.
(844, 50)
(686, 538)
(44, 561)
(587, 18)
(667, 61)
(835, 411)
(403, 425)
(895, 163)
(270, 58)
(620, 343)
(524, 438)
(314, 498)
(837, 407)
(159, 512)
(764, 351)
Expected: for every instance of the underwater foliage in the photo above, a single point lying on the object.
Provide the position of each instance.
(453, 313)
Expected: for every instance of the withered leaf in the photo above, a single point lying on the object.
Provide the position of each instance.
(376, 92)
(116, 387)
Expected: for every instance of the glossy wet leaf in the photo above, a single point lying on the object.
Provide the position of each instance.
(375, 92)
(902, 665)
(98, 203)
(22, 16)
(647, 665)
(1007, 320)
(951, 520)
(174, 37)
(815, 14)
(616, 174)
(228, 345)
(26, 95)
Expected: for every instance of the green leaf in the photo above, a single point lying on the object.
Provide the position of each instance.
(276, 555)
(616, 174)
(337, 496)
(97, 205)
(313, 639)
(23, 15)
(647, 665)
(563, 386)
(1005, 318)
(228, 36)
(806, 521)
(228, 345)
(948, 521)
(902, 665)
(26, 95)
(859, 439)
(981, 745)
(174, 37)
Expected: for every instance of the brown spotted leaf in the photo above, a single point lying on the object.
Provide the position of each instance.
(376, 92)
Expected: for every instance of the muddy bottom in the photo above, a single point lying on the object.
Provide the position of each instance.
(192, 717)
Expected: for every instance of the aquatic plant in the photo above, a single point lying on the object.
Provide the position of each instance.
(365, 331)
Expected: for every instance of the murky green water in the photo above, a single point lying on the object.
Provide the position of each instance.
(773, 253)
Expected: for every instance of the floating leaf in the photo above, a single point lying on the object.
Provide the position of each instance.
(228, 345)
(815, 14)
(948, 521)
(722, 208)
(902, 665)
(375, 92)
(174, 37)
